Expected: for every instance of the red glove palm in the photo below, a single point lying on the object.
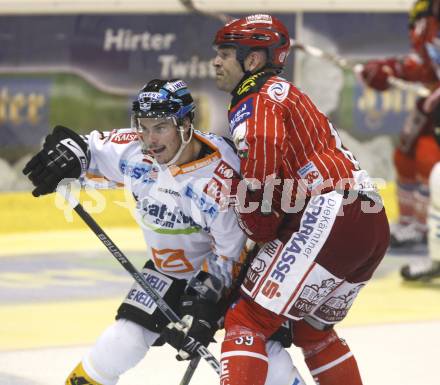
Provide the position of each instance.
(375, 73)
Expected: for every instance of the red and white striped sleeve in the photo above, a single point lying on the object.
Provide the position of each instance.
(264, 136)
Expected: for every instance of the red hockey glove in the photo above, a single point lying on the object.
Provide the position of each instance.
(260, 227)
(375, 73)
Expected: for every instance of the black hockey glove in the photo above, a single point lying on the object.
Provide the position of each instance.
(64, 155)
(283, 335)
(202, 316)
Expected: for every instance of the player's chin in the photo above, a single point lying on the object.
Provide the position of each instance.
(220, 82)
(160, 159)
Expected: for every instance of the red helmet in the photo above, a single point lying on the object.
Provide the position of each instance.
(256, 31)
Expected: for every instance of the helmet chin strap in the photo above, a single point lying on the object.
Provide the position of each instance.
(183, 144)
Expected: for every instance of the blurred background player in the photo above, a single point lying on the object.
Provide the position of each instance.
(417, 151)
(175, 175)
(429, 268)
(314, 260)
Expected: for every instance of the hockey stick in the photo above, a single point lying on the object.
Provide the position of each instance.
(189, 372)
(357, 68)
(64, 190)
(190, 7)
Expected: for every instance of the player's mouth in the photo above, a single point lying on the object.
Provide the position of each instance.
(157, 150)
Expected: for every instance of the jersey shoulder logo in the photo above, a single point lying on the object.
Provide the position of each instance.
(241, 113)
(278, 91)
(124, 137)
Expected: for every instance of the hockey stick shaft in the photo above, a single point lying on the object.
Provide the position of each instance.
(189, 372)
(357, 68)
(64, 190)
(189, 5)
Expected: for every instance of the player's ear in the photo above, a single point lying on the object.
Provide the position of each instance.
(186, 125)
(255, 60)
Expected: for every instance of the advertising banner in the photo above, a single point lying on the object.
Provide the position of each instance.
(91, 67)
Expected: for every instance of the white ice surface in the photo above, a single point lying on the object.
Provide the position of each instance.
(394, 354)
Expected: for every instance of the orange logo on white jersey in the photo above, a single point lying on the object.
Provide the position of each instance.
(172, 260)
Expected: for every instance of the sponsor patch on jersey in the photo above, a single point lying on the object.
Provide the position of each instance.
(139, 298)
(336, 307)
(202, 201)
(243, 112)
(225, 171)
(294, 266)
(134, 170)
(159, 218)
(310, 175)
(169, 191)
(311, 295)
(253, 274)
(239, 139)
(278, 91)
(263, 259)
(124, 137)
(215, 189)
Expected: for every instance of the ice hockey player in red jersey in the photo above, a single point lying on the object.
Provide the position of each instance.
(316, 213)
(417, 151)
(426, 269)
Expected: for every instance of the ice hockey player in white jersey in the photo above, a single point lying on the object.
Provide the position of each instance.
(179, 178)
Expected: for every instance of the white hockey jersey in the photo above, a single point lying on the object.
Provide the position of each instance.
(181, 209)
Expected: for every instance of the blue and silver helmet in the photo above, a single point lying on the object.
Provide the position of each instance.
(164, 99)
